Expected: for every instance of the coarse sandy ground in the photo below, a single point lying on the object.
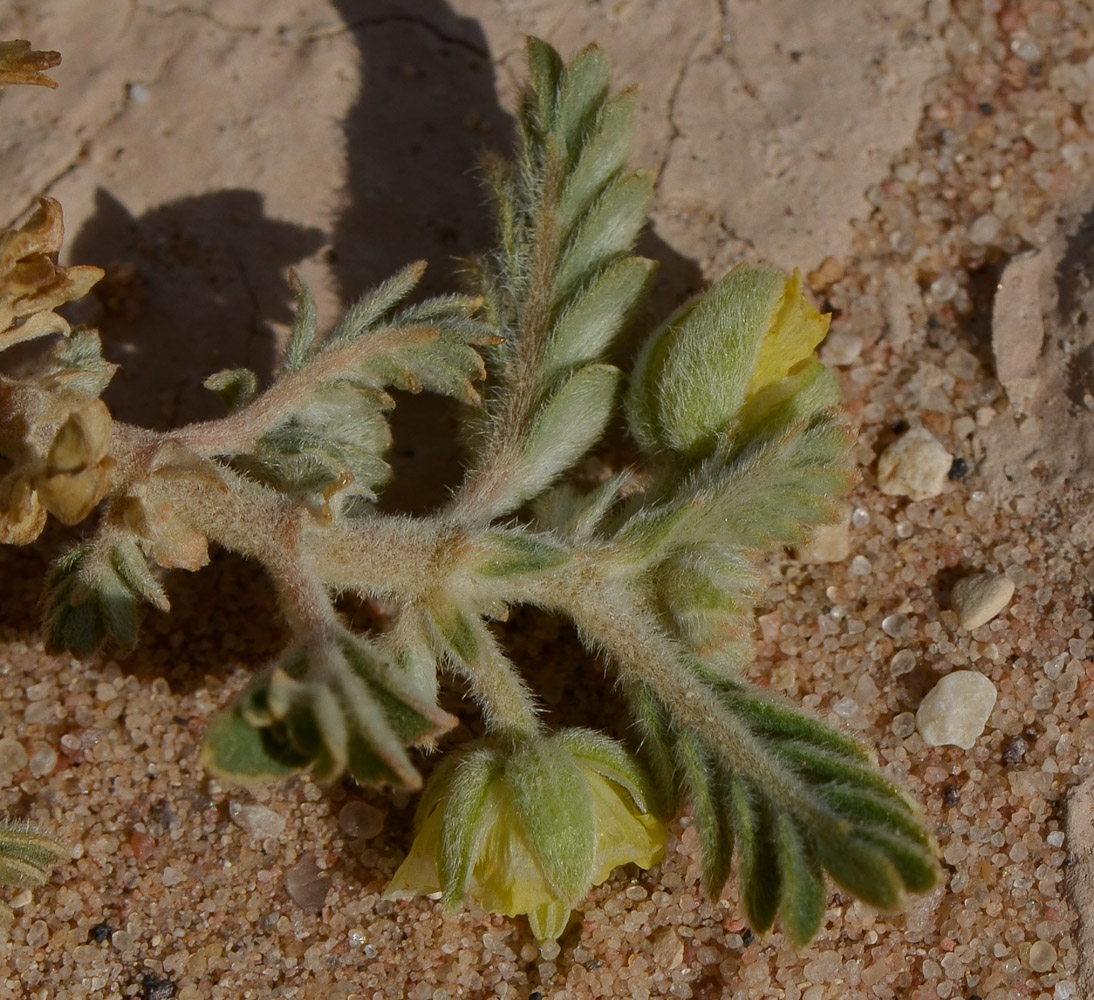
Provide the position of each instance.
(901, 153)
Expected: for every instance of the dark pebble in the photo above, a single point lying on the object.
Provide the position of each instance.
(747, 937)
(950, 795)
(1014, 750)
(959, 469)
(101, 932)
(154, 988)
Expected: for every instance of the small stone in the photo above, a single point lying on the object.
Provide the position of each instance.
(1042, 956)
(42, 761)
(903, 662)
(259, 821)
(914, 466)
(38, 934)
(12, 755)
(985, 229)
(1014, 750)
(956, 710)
(173, 876)
(979, 598)
(307, 884)
(668, 949)
(359, 819)
(154, 988)
(101, 932)
(958, 470)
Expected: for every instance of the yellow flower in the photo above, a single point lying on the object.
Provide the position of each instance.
(531, 829)
(793, 336)
(717, 355)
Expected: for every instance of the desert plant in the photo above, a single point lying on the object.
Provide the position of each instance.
(744, 449)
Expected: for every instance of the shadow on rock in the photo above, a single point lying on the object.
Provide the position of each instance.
(426, 112)
(191, 287)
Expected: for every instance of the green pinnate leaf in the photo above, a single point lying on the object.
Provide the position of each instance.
(305, 326)
(801, 889)
(584, 87)
(606, 233)
(593, 319)
(602, 157)
(466, 785)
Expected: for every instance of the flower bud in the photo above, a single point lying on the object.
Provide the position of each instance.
(531, 828)
(698, 371)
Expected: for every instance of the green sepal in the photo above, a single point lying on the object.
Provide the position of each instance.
(236, 387)
(465, 783)
(791, 401)
(608, 758)
(547, 922)
(552, 800)
(691, 377)
(658, 745)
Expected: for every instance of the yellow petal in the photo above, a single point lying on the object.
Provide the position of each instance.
(794, 334)
(417, 875)
(507, 878)
(623, 833)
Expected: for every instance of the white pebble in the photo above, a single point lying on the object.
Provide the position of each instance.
(915, 466)
(956, 710)
(173, 876)
(12, 755)
(1042, 956)
(985, 229)
(43, 761)
(979, 598)
(259, 821)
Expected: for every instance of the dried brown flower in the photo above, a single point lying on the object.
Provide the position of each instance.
(21, 64)
(32, 283)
